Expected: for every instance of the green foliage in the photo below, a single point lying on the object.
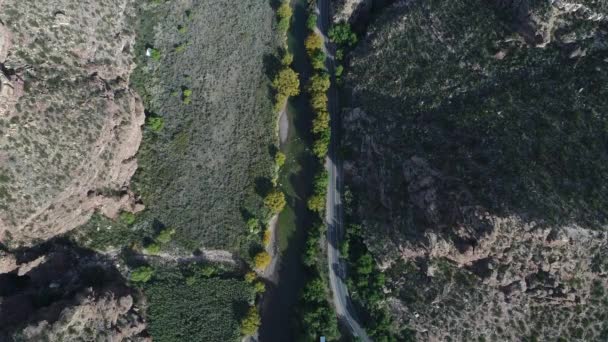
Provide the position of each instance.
(254, 225)
(279, 159)
(152, 248)
(284, 13)
(287, 59)
(127, 218)
(165, 235)
(319, 83)
(275, 201)
(155, 54)
(339, 70)
(342, 34)
(187, 96)
(317, 59)
(141, 274)
(181, 47)
(259, 287)
(320, 123)
(250, 277)
(251, 322)
(182, 29)
(209, 309)
(321, 145)
(311, 22)
(155, 123)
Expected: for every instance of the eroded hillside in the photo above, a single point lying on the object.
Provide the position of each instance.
(476, 148)
(69, 123)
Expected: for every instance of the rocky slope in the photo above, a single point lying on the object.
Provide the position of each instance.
(69, 124)
(476, 144)
(58, 292)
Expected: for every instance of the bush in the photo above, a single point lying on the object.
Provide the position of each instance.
(279, 159)
(321, 122)
(284, 11)
(155, 123)
(318, 102)
(267, 237)
(287, 82)
(311, 22)
(251, 322)
(127, 218)
(275, 201)
(165, 235)
(321, 146)
(155, 54)
(153, 248)
(262, 260)
(317, 59)
(250, 277)
(254, 225)
(259, 287)
(287, 59)
(142, 274)
(187, 96)
(342, 34)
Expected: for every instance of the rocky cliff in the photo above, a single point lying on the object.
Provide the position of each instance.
(69, 123)
(477, 147)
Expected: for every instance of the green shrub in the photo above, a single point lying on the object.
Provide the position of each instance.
(313, 43)
(165, 235)
(142, 274)
(311, 22)
(319, 83)
(127, 218)
(254, 225)
(279, 159)
(287, 59)
(153, 248)
(155, 123)
(155, 54)
(316, 203)
(259, 287)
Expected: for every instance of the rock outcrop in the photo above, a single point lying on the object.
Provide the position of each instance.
(70, 126)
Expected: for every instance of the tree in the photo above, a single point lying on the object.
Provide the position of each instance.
(127, 218)
(342, 34)
(316, 203)
(317, 59)
(321, 146)
(262, 260)
(284, 10)
(250, 277)
(287, 82)
(275, 201)
(319, 83)
(251, 322)
(259, 287)
(142, 274)
(314, 292)
(318, 101)
(313, 43)
(321, 122)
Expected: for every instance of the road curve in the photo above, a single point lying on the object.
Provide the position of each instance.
(333, 216)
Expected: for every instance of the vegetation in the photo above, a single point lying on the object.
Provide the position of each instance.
(141, 274)
(155, 123)
(286, 83)
(262, 260)
(313, 43)
(342, 34)
(200, 132)
(275, 201)
(210, 310)
(284, 14)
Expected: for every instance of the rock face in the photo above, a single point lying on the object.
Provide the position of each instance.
(69, 123)
(58, 292)
(470, 191)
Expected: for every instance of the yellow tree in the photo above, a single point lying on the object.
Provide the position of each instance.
(313, 43)
(251, 322)
(287, 82)
(262, 260)
(275, 201)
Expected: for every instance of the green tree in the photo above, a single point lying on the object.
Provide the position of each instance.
(287, 59)
(155, 123)
(152, 248)
(284, 10)
(318, 101)
(254, 225)
(142, 274)
(342, 34)
(321, 122)
(275, 201)
(311, 21)
(251, 322)
(127, 218)
(259, 287)
(319, 83)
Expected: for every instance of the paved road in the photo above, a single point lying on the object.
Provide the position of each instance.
(334, 215)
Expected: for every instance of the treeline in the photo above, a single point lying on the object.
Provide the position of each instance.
(316, 312)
